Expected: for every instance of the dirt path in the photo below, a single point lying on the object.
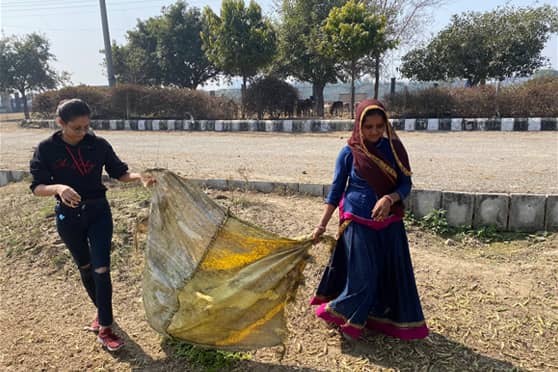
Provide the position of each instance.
(490, 307)
(468, 161)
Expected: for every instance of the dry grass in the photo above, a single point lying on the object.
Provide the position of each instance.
(489, 306)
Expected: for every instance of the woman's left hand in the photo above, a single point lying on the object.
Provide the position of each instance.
(381, 209)
(317, 233)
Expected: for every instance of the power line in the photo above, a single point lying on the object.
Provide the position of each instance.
(74, 6)
(62, 29)
(35, 1)
(33, 4)
(39, 3)
(75, 11)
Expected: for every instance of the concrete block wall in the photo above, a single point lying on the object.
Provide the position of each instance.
(551, 217)
(7, 176)
(515, 212)
(424, 201)
(507, 212)
(527, 212)
(459, 208)
(491, 210)
(317, 125)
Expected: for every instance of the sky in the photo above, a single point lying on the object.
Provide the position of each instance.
(73, 27)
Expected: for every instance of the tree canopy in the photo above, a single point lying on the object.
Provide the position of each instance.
(352, 33)
(240, 41)
(25, 65)
(165, 50)
(299, 52)
(506, 42)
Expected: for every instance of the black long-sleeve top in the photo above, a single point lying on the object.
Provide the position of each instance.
(79, 166)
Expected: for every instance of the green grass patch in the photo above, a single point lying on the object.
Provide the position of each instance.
(437, 223)
(208, 359)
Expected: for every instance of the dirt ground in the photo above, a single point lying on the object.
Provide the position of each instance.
(522, 162)
(489, 306)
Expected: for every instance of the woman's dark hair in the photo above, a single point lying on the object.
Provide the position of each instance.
(70, 109)
(375, 112)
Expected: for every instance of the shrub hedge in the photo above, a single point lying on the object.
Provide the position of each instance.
(139, 102)
(535, 98)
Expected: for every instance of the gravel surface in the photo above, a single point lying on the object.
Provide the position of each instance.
(524, 162)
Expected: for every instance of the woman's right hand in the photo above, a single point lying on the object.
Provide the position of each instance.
(317, 233)
(68, 196)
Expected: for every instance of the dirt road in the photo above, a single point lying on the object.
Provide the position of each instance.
(469, 161)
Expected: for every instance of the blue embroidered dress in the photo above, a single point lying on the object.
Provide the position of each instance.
(369, 281)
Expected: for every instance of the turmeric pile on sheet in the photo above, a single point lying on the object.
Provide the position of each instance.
(211, 279)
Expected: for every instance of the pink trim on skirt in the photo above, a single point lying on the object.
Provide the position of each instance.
(317, 301)
(399, 332)
(322, 313)
(354, 332)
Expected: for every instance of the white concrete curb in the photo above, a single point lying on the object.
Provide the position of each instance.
(318, 126)
(507, 212)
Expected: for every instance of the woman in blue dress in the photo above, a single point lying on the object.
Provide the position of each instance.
(369, 281)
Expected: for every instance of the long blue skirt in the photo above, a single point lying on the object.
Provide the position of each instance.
(369, 282)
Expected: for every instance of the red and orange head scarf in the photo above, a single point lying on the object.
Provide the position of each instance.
(370, 163)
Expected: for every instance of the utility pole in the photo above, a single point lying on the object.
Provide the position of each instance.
(108, 48)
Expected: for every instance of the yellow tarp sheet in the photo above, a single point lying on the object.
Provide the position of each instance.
(211, 279)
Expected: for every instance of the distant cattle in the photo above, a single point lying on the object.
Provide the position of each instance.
(304, 107)
(336, 108)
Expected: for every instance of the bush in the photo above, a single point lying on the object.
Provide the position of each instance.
(271, 96)
(136, 102)
(431, 102)
(44, 104)
(535, 98)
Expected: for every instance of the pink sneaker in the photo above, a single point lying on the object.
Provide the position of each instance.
(109, 340)
(94, 327)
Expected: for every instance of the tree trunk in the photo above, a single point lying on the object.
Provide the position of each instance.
(497, 100)
(353, 68)
(376, 76)
(318, 89)
(25, 108)
(243, 102)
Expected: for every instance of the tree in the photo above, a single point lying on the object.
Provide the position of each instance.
(404, 21)
(137, 61)
(271, 95)
(25, 66)
(165, 50)
(352, 33)
(506, 42)
(184, 62)
(240, 42)
(132, 65)
(300, 54)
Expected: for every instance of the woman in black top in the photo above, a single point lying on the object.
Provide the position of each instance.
(68, 165)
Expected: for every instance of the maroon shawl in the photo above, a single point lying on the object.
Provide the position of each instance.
(373, 165)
